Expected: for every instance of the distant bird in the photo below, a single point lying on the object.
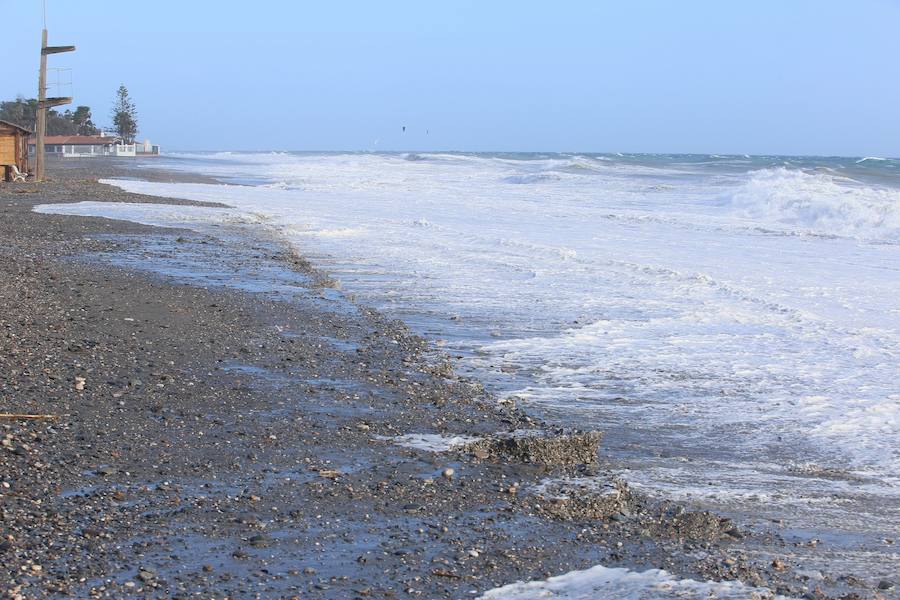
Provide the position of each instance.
(404, 129)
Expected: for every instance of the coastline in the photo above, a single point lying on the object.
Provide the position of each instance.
(237, 428)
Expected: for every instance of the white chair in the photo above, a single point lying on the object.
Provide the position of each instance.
(17, 174)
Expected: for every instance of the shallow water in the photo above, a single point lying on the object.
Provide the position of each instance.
(731, 323)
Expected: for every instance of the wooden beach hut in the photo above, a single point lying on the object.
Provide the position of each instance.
(13, 149)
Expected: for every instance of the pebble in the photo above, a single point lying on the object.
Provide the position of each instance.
(448, 472)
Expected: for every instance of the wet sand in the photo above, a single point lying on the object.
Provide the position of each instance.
(226, 424)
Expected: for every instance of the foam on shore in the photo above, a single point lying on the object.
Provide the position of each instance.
(623, 584)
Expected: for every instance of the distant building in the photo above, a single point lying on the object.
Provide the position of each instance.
(146, 149)
(12, 149)
(83, 146)
(88, 146)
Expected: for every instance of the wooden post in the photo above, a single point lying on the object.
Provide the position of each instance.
(41, 124)
(44, 103)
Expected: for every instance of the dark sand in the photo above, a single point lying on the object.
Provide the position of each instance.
(226, 439)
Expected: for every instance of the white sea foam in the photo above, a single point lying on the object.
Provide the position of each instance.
(748, 316)
(153, 214)
(601, 583)
(430, 442)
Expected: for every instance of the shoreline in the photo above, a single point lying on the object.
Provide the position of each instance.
(262, 405)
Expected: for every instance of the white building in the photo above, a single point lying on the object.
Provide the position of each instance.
(146, 149)
(88, 146)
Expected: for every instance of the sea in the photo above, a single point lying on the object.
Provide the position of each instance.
(731, 323)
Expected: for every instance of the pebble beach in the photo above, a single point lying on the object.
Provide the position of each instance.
(204, 414)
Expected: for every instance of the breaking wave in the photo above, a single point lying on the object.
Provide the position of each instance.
(818, 203)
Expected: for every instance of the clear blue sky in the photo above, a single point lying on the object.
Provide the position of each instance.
(751, 76)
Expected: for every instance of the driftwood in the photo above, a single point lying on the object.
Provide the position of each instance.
(14, 416)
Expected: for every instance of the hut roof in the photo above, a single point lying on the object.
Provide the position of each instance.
(14, 126)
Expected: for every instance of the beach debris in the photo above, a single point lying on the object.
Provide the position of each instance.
(555, 447)
(15, 416)
(445, 573)
(79, 383)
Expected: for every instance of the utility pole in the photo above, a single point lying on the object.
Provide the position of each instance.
(44, 103)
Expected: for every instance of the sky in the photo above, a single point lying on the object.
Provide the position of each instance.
(744, 76)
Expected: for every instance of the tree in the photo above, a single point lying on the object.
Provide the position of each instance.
(24, 112)
(60, 124)
(19, 111)
(81, 118)
(125, 116)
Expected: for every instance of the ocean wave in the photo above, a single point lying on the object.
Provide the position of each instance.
(581, 164)
(818, 203)
(229, 156)
(532, 178)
